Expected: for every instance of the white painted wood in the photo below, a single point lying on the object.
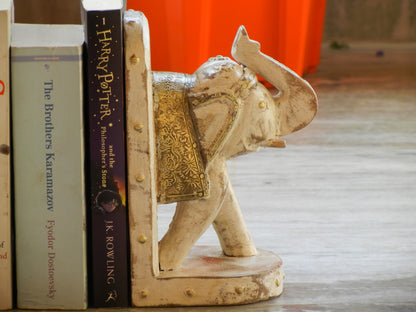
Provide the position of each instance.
(206, 277)
(339, 201)
(233, 114)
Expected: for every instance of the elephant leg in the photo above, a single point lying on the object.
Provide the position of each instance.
(191, 220)
(231, 228)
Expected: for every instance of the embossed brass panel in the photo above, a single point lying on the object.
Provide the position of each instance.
(180, 167)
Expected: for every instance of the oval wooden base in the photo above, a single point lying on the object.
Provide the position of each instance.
(207, 277)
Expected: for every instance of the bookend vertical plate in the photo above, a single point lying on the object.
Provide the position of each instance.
(206, 277)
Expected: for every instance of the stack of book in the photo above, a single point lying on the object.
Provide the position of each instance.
(65, 89)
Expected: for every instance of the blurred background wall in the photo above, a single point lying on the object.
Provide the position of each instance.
(47, 11)
(370, 20)
(346, 20)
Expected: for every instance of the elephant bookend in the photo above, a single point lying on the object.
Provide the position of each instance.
(180, 131)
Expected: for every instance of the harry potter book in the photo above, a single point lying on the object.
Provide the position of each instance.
(6, 301)
(108, 226)
(48, 154)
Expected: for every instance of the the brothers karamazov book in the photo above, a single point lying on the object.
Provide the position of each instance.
(48, 153)
(108, 226)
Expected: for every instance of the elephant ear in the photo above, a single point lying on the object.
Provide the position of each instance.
(214, 118)
(215, 98)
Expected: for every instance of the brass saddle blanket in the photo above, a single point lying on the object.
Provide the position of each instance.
(180, 166)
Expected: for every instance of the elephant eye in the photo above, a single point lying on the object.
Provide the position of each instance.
(262, 105)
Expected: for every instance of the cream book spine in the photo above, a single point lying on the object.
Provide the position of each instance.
(48, 154)
(6, 290)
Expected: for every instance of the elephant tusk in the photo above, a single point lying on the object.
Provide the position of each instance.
(275, 143)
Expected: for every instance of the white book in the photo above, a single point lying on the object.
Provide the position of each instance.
(48, 153)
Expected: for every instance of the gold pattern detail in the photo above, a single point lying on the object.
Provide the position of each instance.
(239, 290)
(140, 178)
(189, 292)
(222, 133)
(138, 127)
(180, 168)
(134, 59)
(142, 239)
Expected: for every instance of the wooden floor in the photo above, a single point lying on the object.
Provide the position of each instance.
(339, 203)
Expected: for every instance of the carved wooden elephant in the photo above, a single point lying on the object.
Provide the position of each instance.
(201, 120)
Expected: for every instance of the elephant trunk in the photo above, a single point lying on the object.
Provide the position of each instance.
(296, 100)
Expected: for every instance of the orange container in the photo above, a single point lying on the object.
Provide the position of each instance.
(185, 33)
(314, 39)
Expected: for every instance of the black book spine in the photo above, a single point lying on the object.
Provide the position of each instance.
(108, 224)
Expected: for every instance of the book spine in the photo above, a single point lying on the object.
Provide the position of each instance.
(109, 253)
(6, 298)
(49, 188)
(6, 301)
